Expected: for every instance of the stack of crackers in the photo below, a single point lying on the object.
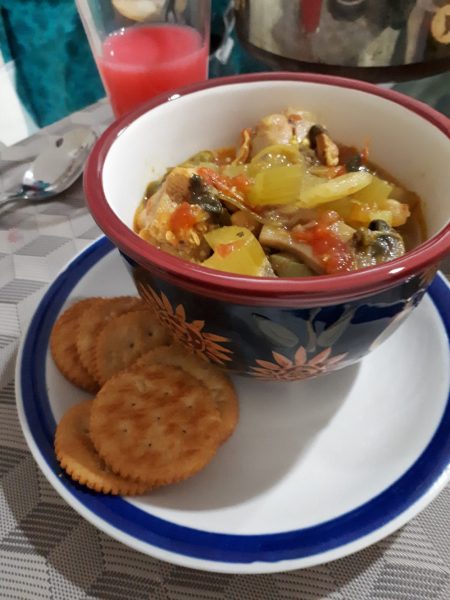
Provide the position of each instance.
(158, 415)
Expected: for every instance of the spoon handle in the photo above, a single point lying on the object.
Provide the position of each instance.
(17, 195)
(5, 165)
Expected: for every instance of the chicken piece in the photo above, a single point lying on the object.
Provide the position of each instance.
(156, 216)
(156, 220)
(140, 217)
(243, 218)
(301, 122)
(284, 128)
(270, 130)
(400, 212)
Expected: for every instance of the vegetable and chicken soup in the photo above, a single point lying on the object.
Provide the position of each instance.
(287, 201)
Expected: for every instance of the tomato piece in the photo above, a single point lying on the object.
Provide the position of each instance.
(236, 250)
(225, 156)
(339, 261)
(241, 183)
(328, 217)
(303, 236)
(334, 254)
(365, 153)
(221, 182)
(182, 218)
(224, 250)
(338, 171)
(346, 153)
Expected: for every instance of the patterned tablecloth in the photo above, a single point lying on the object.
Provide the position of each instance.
(48, 551)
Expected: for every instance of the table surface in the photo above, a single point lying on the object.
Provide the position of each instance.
(48, 551)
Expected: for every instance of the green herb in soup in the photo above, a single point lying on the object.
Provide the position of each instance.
(288, 201)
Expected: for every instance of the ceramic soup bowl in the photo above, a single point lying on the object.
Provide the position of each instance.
(277, 329)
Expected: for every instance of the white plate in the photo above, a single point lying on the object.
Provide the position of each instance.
(316, 469)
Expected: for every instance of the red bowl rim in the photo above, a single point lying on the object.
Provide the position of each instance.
(327, 288)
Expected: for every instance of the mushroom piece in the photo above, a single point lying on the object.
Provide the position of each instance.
(377, 244)
(287, 265)
(326, 150)
(203, 196)
(280, 239)
(177, 183)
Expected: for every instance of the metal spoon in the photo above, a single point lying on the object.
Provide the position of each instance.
(56, 168)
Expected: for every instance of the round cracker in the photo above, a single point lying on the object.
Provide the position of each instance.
(78, 457)
(94, 319)
(212, 377)
(64, 349)
(156, 424)
(124, 339)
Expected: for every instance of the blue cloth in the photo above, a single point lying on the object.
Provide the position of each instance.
(55, 71)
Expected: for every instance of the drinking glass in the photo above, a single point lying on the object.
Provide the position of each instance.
(145, 47)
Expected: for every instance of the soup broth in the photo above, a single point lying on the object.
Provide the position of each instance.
(287, 201)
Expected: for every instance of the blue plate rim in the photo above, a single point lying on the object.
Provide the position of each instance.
(432, 466)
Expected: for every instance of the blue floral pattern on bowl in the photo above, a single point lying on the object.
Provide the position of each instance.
(279, 343)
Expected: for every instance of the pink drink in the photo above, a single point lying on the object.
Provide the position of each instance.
(141, 62)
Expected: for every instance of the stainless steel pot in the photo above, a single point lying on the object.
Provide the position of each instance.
(376, 40)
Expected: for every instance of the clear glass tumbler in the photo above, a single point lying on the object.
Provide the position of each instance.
(145, 47)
